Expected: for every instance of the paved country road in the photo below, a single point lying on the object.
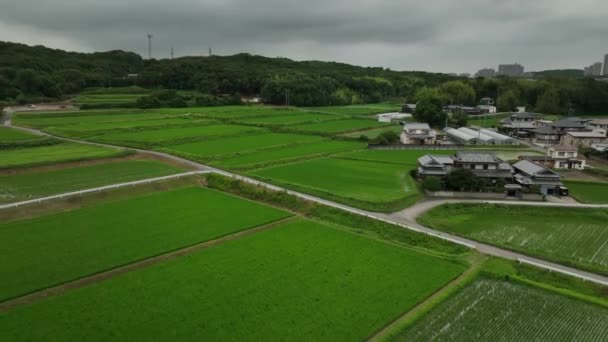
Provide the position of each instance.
(405, 218)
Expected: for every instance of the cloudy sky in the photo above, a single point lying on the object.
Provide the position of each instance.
(432, 35)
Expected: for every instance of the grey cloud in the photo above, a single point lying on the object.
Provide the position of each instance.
(438, 35)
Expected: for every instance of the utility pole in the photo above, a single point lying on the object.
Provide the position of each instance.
(150, 36)
(286, 97)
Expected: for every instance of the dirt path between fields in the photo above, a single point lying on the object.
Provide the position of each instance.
(98, 277)
(428, 303)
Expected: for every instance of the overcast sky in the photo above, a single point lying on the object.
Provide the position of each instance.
(432, 35)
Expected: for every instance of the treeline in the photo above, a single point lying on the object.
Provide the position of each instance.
(547, 96)
(35, 73)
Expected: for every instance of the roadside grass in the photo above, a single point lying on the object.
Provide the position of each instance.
(11, 135)
(359, 224)
(264, 158)
(518, 313)
(56, 153)
(405, 157)
(363, 184)
(588, 192)
(56, 248)
(302, 280)
(339, 126)
(32, 184)
(240, 145)
(574, 236)
(170, 136)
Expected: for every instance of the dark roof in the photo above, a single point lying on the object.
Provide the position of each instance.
(525, 115)
(569, 123)
(533, 169)
(544, 130)
(476, 157)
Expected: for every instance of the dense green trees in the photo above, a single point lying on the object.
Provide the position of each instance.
(429, 107)
(37, 73)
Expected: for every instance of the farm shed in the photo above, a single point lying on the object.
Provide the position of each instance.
(460, 137)
(481, 138)
(500, 138)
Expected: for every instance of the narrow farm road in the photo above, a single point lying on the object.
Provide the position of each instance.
(405, 218)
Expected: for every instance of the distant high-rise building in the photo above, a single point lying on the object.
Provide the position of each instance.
(594, 69)
(514, 70)
(605, 65)
(485, 72)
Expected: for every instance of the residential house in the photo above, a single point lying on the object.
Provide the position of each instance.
(415, 133)
(599, 123)
(528, 174)
(585, 139)
(482, 164)
(545, 135)
(466, 109)
(559, 157)
(520, 122)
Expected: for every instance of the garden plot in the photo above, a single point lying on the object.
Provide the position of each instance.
(494, 310)
(240, 145)
(52, 249)
(298, 281)
(573, 236)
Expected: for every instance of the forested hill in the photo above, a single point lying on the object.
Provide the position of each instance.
(38, 71)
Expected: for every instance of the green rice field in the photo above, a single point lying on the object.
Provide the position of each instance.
(374, 133)
(56, 248)
(62, 152)
(339, 126)
(88, 130)
(291, 153)
(574, 236)
(494, 310)
(169, 135)
(85, 119)
(406, 157)
(363, 109)
(365, 184)
(27, 185)
(116, 99)
(12, 135)
(240, 144)
(291, 119)
(299, 281)
(588, 192)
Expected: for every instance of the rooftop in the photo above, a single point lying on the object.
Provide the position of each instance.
(599, 122)
(476, 157)
(417, 125)
(587, 134)
(525, 115)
